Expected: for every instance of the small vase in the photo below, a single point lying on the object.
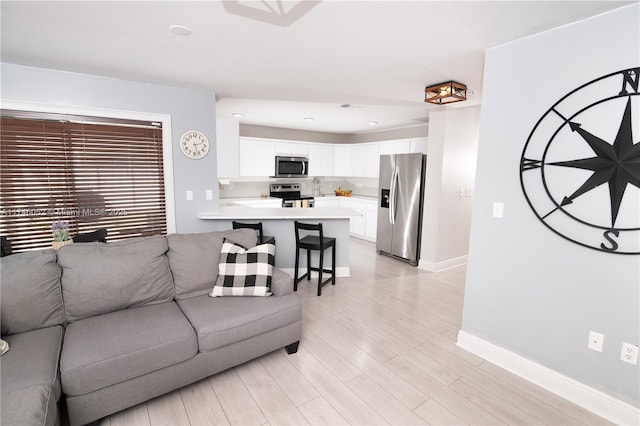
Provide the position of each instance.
(57, 244)
(316, 189)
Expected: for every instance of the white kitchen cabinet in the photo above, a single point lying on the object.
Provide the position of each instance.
(419, 145)
(400, 146)
(228, 147)
(342, 160)
(371, 219)
(331, 202)
(321, 159)
(366, 223)
(356, 223)
(293, 149)
(365, 160)
(257, 157)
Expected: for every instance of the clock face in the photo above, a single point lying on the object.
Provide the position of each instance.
(194, 144)
(580, 167)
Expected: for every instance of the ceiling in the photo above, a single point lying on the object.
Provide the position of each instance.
(278, 62)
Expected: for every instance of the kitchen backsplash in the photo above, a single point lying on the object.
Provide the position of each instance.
(367, 187)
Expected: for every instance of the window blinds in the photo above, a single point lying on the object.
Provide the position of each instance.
(90, 172)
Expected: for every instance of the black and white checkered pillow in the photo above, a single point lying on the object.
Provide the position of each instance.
(244, 272)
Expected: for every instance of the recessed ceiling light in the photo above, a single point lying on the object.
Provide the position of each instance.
(237, 114)
(373, 123)
(308, 119)
(180, 30)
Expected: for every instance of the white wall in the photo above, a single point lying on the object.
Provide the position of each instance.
(451, 159)
(189, 110)
(529, 290)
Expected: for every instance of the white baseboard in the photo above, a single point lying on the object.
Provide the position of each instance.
(580, 394)
(341, 272)
(441, 266)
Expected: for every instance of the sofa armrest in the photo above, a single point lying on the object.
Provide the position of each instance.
(281, 283)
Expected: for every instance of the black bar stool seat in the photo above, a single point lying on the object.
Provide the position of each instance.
(262, 239)
(314, 242)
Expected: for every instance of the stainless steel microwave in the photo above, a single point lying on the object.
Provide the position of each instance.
(291, 167)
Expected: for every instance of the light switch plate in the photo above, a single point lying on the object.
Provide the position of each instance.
(498, 209)
(209, 194)
(189, 195)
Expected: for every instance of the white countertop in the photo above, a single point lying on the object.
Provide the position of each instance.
(239, 212)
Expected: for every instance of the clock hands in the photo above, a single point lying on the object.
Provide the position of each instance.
(617, 164)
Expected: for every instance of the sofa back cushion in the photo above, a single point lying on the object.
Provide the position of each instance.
(30, 294)
(98, 278)
(194, 258)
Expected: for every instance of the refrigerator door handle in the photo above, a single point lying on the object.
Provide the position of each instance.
(392, 202)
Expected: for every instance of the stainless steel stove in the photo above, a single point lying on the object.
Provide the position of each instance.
(290, 194)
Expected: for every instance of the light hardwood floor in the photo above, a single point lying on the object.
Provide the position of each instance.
(377, 348)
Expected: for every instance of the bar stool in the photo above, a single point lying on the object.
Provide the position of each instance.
(314, 242)
(262, 239)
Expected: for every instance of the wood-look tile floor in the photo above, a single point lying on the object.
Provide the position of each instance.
(377, 348)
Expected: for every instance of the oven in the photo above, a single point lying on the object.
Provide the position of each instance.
(290, 195)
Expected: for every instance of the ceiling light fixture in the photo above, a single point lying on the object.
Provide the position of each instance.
(237, 114)
(373, 123)
(180, 30)
(445, 93)
(308, 119)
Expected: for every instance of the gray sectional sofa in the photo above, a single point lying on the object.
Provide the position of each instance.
(102, 327)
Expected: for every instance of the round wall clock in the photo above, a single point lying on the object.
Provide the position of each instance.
(580, 167)
(194, 144)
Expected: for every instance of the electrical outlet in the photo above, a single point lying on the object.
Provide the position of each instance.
(596, 341)
(209, 194)
(629, 353)
(189, 195)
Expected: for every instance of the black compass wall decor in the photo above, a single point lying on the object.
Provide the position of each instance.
(580, 167)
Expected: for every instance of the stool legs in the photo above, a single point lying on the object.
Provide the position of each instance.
(295, 271)
(320, 269)
(320, 266)
(333, 265)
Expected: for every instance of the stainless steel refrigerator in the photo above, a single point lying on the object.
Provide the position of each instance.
(400, 200)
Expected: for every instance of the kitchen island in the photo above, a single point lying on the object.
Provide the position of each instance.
(279, 223)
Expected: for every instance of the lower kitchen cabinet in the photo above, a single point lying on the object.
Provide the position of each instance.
(364, 226)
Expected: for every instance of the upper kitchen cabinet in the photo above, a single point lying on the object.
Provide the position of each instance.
(321, 159)
(342, 160)
(400, 146)
(293, 149)
(228, 147)
(364, 159)
(419, 145)
(257, 157)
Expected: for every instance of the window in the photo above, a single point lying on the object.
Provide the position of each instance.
(93, 172)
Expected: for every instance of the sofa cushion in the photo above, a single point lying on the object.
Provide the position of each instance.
(194, 258)
(244, 271)
(111, 348)
(221, 321)
(35, 405)
(98, 278)
(31, 294)
(32, 360)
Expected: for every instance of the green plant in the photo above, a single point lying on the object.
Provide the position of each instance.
(60, 230)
